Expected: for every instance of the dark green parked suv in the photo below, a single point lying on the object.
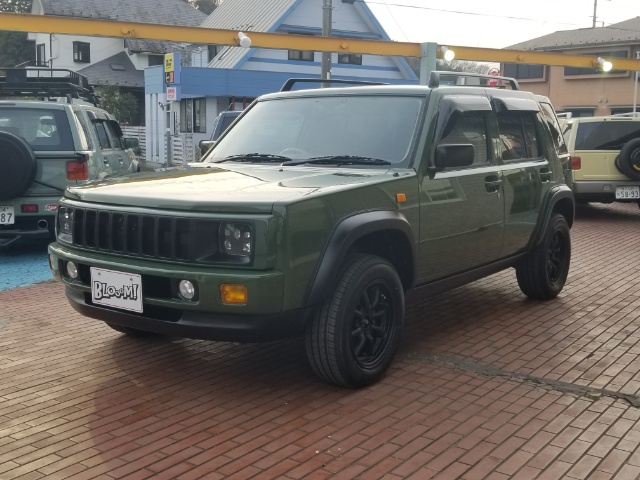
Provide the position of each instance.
(318, 212)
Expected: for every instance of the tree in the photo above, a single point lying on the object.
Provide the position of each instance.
(15, 48)
(122, 105)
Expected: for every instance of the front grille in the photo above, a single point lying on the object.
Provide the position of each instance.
(149, 236)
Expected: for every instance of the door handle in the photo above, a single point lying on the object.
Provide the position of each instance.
(492, 184)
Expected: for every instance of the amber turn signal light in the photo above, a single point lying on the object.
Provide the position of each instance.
(233, 294)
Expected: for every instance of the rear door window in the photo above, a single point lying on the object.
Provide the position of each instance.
(605, 135)
(43, 129)
(518, 136)
(114, 137)
(103, 137)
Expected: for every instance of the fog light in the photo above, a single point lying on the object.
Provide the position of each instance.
(233, 294)
(187, 290)
(52, 263)
(72, 270)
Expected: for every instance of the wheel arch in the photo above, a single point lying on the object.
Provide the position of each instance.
(559, 200)
(387, 234)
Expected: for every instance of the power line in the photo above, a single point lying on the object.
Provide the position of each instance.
(442, 10)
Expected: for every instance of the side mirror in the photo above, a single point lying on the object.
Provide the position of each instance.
(205, 145)
(131, 142)
(454, 155)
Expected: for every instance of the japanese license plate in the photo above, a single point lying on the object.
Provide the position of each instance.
(631, 192)
(7, 215)
(116, 289)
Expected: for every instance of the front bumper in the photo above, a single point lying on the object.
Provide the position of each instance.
(166, 313)
(200, 325)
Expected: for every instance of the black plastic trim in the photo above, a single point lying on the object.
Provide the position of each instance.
(345, 234)
(555, 195)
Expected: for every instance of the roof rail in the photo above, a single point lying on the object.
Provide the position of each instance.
(459, 79)
(41, 82)
(292, 81)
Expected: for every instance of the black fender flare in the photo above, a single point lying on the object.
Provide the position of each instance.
(344, 236)
(559, 199)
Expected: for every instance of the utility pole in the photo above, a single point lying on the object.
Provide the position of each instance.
(595, 13)
(326, 32)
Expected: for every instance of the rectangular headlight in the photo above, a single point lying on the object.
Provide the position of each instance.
(236, 239)
(65, 224)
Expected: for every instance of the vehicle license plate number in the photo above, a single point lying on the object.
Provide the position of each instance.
(116, 289)
(7, 215)
(631, 192)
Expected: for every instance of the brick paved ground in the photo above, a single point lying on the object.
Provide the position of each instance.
(487, 385)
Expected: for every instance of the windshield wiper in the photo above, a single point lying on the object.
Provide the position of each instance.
(255, 158)
(342, 160)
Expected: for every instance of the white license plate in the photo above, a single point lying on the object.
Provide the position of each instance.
(7, 215)
(631, 192)
(116, 289)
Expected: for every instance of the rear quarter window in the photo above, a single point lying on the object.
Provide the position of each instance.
(610, 135)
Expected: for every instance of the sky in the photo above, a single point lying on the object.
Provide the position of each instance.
(493, 23)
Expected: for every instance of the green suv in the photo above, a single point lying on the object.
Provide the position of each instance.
(317, 212)
(47, 146)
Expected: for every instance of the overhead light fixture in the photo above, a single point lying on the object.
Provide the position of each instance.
(447, 54)
(603, 64)
(245, 42)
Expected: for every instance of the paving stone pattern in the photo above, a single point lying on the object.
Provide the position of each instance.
(487, 385)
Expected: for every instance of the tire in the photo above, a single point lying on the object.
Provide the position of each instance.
(628, 162)
(17, 164)
(543, 273)
(132, 332)
(353, 338)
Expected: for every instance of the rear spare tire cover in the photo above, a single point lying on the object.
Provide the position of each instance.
(628, 162)
(17, 166)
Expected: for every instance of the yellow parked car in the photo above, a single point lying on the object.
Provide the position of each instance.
(605, 158)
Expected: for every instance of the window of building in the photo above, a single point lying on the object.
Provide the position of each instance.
(573, 71)
(81, 52)
(470, 127)
(156, 60)
(518, 136)
(200, 115)
(302, 55)
(350, 58)
(580, 112)
(524, 71)
(193, 115)
(41, 58)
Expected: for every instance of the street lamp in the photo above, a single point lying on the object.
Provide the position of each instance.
(603, 64)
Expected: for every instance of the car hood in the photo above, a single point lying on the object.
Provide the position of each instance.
(233, 188)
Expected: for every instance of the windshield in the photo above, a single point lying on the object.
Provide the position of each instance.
(42, 129)
(375, 127)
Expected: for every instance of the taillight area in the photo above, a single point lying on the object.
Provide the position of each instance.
(576, 163)
(77, 171)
